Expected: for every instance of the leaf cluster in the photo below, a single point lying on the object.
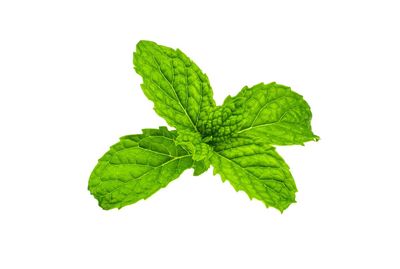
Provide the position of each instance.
(236, 138)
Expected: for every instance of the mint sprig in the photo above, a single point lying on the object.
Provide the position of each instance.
(236, 138)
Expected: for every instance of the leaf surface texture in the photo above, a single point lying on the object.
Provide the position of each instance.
(180, 91)
(257, 169)
(138, 166)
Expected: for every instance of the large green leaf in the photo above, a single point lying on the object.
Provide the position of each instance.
(138, 166)
(273, 113)
(257, 169)
(181, 93)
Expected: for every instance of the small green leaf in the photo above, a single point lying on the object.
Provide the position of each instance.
(138, 166)
(201, 166)
(223, 121)
(200, 150)
(257, 169)
(194, 144)
(181, 92)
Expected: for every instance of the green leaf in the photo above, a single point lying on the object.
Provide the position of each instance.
(201, 166)
(181, 93)
(138, 166)
(273, 113)
(257, 169)
(223, 121)
(194, 144)
(200, 151)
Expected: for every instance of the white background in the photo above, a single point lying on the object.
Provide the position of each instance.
(68, 91)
